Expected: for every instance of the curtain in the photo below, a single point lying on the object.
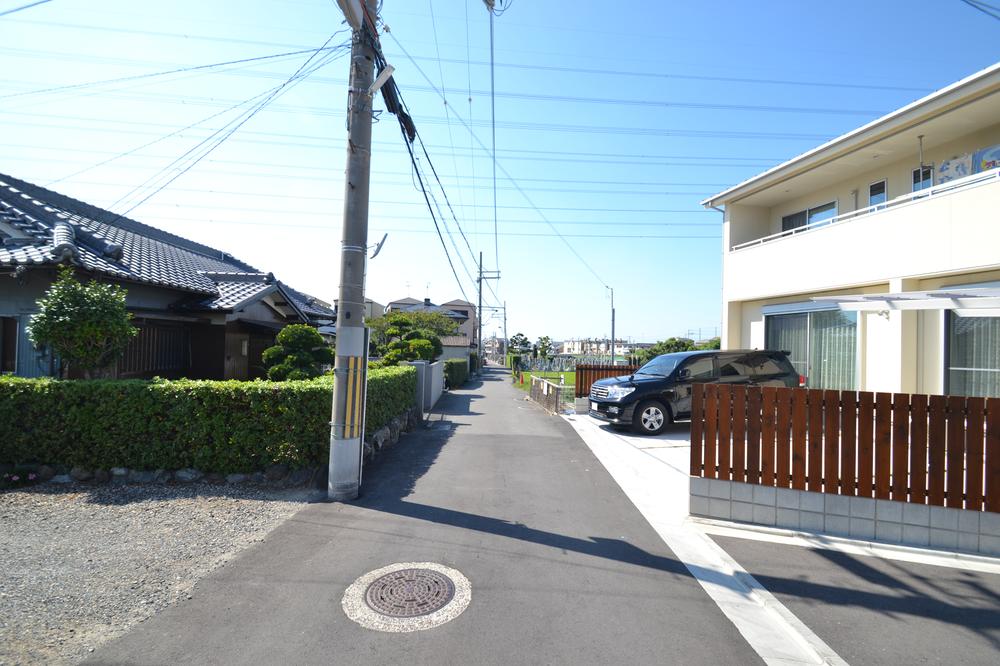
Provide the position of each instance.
(974, 356)
(833, 350)
(790, 333)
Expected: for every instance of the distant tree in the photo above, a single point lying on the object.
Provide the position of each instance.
(711, 343)
(300, 352)
(544, 346)
(86, 325)
(393, 326)
(667, 346)
(412, 336)
(519, 343)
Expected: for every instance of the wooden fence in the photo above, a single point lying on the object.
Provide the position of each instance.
(938, 450)
(588, 373)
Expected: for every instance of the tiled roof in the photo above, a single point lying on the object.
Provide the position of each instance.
(52, 228)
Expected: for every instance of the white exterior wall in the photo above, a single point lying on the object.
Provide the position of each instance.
(944, 240)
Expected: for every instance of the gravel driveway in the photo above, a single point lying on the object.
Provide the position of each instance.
(82, 564)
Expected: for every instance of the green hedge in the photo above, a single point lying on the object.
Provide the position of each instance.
(214, 426)
(456, 371)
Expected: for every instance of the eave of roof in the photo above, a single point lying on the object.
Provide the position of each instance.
(979, 84)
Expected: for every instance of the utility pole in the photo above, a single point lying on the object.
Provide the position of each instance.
(350, 367)
(611, 289)
(489, 275)
(505, 338)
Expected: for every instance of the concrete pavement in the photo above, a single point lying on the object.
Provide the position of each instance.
(563, 567)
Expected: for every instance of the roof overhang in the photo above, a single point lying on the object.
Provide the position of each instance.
(958, 101)
(979, 302)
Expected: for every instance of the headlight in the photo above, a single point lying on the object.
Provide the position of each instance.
(619, 392)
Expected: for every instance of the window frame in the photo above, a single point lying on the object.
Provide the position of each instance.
(807, 212)
(930, 169)
(885, 192)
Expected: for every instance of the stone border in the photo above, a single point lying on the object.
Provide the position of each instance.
(842, 515)
(357, 609)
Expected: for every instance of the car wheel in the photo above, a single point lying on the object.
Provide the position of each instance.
(651, 417)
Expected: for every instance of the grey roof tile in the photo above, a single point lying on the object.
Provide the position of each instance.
(55, 228)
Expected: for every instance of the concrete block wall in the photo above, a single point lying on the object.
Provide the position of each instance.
(840, 515)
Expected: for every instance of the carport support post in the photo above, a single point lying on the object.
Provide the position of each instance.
(346, 428)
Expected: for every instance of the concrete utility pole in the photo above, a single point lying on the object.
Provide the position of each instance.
(350, 368)
(492, 275)
(612, 324)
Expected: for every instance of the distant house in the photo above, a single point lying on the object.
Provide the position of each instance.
(461, 312)
(201, 312)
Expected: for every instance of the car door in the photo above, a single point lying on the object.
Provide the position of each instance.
(694, 370)
(733, 370)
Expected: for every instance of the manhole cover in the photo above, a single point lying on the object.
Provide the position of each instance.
(408, 596)
(410, 592)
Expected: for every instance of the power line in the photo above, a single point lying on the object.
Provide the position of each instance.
(988, 9)
(213, 142)
(180, 70)
(28, 6)
(509, 177)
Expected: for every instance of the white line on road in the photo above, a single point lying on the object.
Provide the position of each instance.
(660, 493)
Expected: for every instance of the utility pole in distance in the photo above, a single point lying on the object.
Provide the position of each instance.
(611, 289)
(489, 275)
(347, 426)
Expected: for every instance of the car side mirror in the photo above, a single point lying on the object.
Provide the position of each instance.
(684, 373)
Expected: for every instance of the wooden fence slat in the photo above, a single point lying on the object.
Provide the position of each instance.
(900, 446)
(782, 450)
(588, 373)
(799, 422)
(918, 449)
(814, 461)
(848, 442)
(866, 444)
(753, 434)
(725, 427)
(955, 455)
(697, 432)
(831, 441)
(883, 444)
(992, 455)
(936, 424)
(974, 422)
(739, 432)
(769, 396)
(711, 428)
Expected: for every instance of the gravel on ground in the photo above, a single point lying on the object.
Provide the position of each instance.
(80, 564)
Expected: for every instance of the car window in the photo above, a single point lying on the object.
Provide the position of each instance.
(734, 367)
(701, 368)
(763, 365)
(661, 365)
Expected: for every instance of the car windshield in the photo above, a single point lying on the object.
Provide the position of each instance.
(661, 365)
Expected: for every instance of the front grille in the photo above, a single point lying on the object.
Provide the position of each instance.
(599, 392)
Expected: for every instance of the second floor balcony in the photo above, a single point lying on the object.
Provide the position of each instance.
(949, 227)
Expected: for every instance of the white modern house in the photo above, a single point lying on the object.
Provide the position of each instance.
(875, 258)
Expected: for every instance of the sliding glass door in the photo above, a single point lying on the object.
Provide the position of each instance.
(823, 345)
(973, 356)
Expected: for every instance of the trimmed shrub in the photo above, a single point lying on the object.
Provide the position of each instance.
(214, 426)
(456, 371)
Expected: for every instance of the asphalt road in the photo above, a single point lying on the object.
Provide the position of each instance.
(563, 568)
(879, 611)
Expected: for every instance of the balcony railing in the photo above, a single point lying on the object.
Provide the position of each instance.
(951, 186)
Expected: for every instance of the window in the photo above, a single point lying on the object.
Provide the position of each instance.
(702, 369)
(973, 357)
(8, 344)
(877, 193)
(923, 177)
(809, 216)
(822, 346)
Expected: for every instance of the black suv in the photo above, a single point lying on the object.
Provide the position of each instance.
(660, 391)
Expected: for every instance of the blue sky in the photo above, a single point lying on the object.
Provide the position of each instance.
(611, 125)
